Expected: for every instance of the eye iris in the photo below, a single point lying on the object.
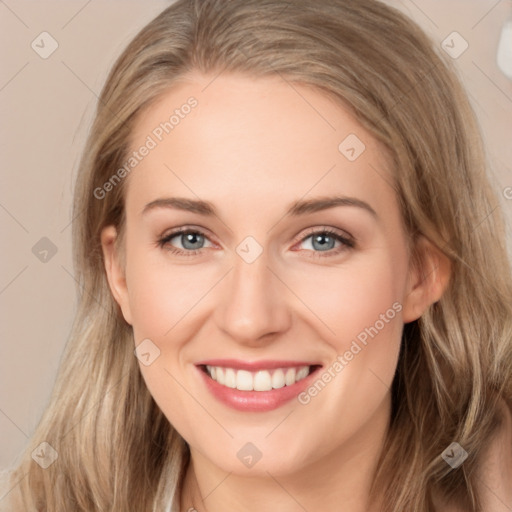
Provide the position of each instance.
(323, 246)
(190, 237)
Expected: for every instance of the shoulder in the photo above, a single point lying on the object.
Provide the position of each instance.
(495, 470)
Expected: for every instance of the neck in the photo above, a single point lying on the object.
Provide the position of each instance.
(342, 476)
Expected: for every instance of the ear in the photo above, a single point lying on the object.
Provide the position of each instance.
(115, 272)
(428, 277)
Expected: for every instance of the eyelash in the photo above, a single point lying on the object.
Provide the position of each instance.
(347, 242)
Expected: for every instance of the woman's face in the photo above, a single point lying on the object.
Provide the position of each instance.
(256, 170)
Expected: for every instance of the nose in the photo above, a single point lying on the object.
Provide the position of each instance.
(253, 308)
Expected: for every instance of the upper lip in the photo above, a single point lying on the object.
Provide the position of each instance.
(266, 364)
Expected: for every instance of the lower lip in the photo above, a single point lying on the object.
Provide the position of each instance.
(255, 401)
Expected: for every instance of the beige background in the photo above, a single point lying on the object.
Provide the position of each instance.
(46, 108)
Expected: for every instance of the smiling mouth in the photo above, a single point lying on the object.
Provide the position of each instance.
(260, 380)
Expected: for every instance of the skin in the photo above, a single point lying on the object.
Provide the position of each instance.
(252, 147)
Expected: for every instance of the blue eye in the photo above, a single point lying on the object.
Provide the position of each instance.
(323, 241)
(190, 240)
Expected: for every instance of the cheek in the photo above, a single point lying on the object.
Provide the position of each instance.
(361, 306)
(355, 384)
(162, 299)
(162, 294)
(351, 299)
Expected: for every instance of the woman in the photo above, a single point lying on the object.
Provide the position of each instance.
(273, 370)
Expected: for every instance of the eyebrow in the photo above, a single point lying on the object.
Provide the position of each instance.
(298, 208)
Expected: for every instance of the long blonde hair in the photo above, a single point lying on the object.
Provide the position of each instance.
(116, 450)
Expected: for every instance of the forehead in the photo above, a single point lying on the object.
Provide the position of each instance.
(237, 138)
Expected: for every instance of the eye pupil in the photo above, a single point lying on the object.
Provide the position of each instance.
(321, 239)
(190, 237)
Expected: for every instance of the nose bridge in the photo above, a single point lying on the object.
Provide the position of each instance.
(253, 303)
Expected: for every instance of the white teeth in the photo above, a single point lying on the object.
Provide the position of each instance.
(262, 380)
(211, 371)
(289, 378)
(302, 373)
(230, 378)
(243, 380)
(219, 375)
(278, 379)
